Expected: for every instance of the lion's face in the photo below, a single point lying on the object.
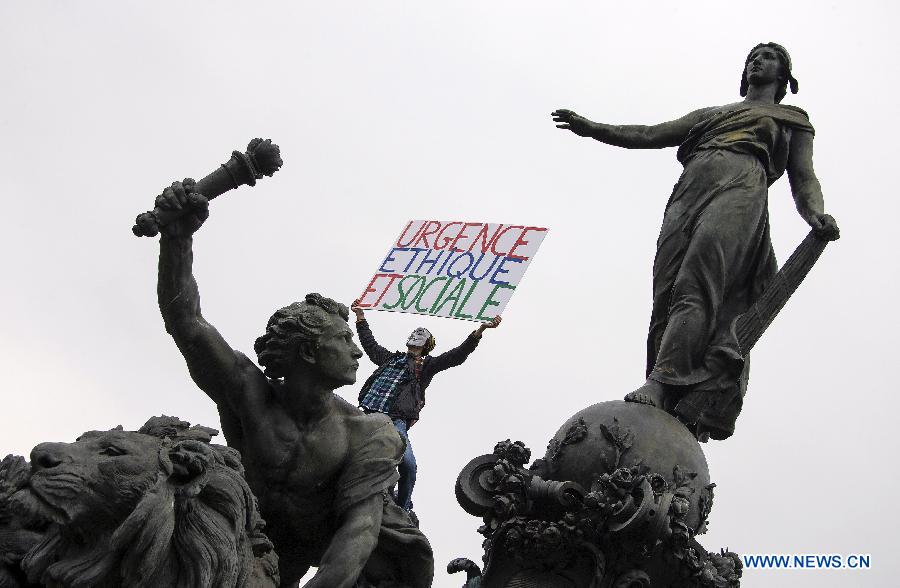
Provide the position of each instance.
(97, 480)
(157, 507)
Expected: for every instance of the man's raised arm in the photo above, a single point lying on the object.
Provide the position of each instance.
(459, 354)
(376, 352)
(214, 366)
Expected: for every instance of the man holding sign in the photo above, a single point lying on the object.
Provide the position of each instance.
(446, 268)
(397, 388)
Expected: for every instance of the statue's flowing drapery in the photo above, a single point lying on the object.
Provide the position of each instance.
(714, 257)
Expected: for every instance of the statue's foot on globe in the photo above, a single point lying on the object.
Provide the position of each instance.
(652, 393)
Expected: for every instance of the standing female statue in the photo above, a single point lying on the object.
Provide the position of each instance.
(714, 255)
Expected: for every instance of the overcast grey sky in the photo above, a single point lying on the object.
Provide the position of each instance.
(396, 110)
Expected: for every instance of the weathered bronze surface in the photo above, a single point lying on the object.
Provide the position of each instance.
(714, 257)
(319, 466)
(616, 501)
(160, 506)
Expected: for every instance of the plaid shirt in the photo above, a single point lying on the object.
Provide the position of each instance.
(407, 397)
(380, 395)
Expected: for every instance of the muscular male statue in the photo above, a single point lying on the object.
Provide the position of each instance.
(319, 467)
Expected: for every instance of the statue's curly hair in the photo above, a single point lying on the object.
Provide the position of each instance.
(300, 322)
(785, 59)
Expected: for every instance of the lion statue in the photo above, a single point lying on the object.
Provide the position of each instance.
(160, 506)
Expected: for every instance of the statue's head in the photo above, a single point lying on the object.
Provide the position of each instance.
(421, 340)
(312, 334)
(755, 66)
(95, 477)
(156, 507)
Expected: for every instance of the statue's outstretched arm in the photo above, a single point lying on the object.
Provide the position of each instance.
(805, 186)
(667, 134)
(351, 545)
(214, 366)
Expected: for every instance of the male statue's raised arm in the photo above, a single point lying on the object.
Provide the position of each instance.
(214, 366)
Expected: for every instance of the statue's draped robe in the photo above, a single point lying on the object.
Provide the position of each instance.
(403, 554)
(714, 257)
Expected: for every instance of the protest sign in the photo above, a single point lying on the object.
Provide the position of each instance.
(453, 269)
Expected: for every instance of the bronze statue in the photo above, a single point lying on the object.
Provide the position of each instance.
(161, 506)
(714, 256)
(617, 501)
(319, 466)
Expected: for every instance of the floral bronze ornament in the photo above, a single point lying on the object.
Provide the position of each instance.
(547, 532)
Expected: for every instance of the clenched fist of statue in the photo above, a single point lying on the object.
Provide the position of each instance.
(180, 196)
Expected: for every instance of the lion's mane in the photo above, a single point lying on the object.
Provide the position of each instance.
(195, 524)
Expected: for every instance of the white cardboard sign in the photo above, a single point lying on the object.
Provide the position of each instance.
(453, 269)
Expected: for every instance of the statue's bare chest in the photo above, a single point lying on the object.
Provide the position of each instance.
(302, 459)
